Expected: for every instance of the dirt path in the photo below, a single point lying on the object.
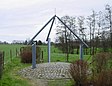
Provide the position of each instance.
(39, 82)
(59, 82)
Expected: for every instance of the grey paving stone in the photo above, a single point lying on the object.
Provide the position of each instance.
(54, 70)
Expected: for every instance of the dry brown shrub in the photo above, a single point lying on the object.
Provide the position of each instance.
(26, 54)
(79, 72)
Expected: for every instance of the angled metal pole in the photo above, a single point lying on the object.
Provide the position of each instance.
(73, 32)
(41, 29)
(50, 29)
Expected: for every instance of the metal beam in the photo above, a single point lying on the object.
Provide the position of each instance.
(50, 29)
(41, 29)
(73, 32)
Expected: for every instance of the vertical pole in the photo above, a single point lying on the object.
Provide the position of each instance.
(11, 55)
(81, 51)
(3, 58)
(34, 55)
(49, 50)
(1, 65)
(16, 52)
(42, 55)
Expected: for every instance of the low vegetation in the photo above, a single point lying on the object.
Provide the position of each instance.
(79, 71)
(26, 54)
(98, 73)
(10, 77)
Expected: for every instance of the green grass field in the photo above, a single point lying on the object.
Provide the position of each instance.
(10, 78)
(56, 54)
(7, 48)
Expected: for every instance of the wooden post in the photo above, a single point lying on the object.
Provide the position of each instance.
(16, 52)
(1, 67)
(42, 55)
(20, 50)
(3, 59)
(41, 60)
(11, 55)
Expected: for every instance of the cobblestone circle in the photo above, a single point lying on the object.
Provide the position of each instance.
(53, 70)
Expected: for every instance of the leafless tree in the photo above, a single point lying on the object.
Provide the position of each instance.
(65, 37)
(109, 21)
(82, 28)
(89, 24)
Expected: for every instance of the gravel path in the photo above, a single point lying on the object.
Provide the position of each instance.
(46, 71)
(58, 70)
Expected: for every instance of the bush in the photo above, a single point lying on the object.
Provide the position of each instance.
(99, 73)
(26, 57)
(101, 70)
(79, 72)
(102, 61)
(104, 78)
(26, 54)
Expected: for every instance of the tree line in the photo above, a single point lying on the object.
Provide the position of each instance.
(94, 29)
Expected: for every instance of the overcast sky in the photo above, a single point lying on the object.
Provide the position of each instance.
(22, 19)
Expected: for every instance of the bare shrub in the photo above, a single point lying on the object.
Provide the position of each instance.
(26, 57)
(101, 71)
(26, 54)
(79, 72)
(98, 73)
(102, 61)
(104, 78)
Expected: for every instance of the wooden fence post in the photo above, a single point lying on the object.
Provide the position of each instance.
(11, 55)
(16, 52)
(42, 59)
(42, 55)
(3, 59)
(1, 67)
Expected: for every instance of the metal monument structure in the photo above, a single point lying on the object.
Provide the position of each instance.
(82, 43)
(34, 55)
